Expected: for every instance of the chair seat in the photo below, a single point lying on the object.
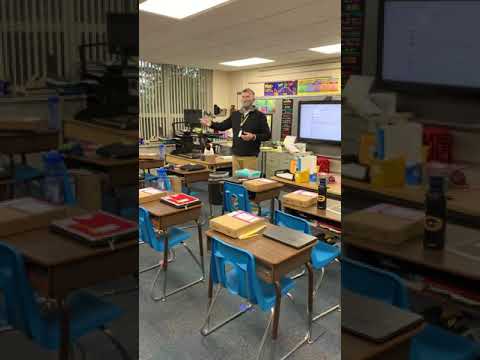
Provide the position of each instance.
(26, 173)
(439, 344)
(323, 254)
(268, 290)
(86, 311)
(175, 237)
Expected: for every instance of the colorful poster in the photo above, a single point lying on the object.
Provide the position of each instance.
(265, 106)
(280, 88)
(319, 86)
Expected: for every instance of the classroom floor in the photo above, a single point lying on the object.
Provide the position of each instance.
(171, 330)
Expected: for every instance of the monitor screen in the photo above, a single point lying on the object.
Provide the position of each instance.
(320, 121)
(123, 33)
(430, 42)
(192, 117)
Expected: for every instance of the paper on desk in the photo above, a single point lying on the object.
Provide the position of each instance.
(29, 205)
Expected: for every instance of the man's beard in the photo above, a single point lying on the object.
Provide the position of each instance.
(247, 105)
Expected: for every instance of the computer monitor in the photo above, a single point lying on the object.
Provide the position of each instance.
(429, 43)
(192, 118)
(122, 30)
(320, 121)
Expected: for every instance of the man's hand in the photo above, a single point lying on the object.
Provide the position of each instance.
(206, 121)
(248, 136)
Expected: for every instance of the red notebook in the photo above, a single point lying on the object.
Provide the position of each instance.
(97, 228)
(180, 200)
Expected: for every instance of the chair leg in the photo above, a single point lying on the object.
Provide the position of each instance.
(300, 274)
(206, 330)
(171, 259)
(116, 343)
(164, 295)
(330, 309)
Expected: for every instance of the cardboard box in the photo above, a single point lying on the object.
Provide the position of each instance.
(176, 182)
(384, 223)
(88, 188)
(259, 185)
(149, 194)
(387, 173)
(26, 214)
(301, 198)
(238, 224)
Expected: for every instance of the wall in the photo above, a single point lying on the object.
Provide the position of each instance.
(452, 110)
(226, 86)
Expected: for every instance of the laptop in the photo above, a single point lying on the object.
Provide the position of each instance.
(378, 321)
(293, 238)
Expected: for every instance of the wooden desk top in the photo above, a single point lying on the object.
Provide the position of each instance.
(333, 189)
(267, 251)
(181, 172)
(159, 209)
(18, 142)
(331, 215)
(459, 200)
(47, 249)
(180, 160)
(445, 261)
(103, 161)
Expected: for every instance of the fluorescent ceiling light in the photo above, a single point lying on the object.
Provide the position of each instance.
(329, 49)
(178, 9)
(247, 62)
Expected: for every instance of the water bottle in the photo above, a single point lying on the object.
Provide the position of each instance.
(53, 112)
(54, 177)
(163, 182)
(322, 193)
(162, 152)
(435, 215)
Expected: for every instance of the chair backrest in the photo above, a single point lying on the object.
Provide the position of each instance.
(145, 227)
(372, 282)
(240, 265)
(22, 310)
(235, 197)
(291, 221)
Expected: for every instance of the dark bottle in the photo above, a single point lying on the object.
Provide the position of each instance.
(322, 194)
(435, 215)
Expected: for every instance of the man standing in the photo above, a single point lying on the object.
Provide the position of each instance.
(249, 127)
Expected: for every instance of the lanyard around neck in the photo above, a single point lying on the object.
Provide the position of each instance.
(244, 118)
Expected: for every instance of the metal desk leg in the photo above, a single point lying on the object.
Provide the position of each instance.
(310, 300)
(276, 314)
(272, 209)
(63, 353)
(200, 245)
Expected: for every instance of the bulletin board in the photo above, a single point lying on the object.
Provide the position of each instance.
(353, 22)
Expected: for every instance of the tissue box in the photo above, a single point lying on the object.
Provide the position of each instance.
(238, 224)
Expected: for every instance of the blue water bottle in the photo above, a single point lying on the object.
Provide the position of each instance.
(162, 152)
(57, 187)
(53, 112)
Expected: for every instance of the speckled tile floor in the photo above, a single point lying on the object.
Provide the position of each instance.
(171, 330)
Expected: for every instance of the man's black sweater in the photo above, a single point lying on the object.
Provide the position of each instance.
(255, 123)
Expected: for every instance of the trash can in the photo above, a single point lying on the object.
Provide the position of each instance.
(215, 188)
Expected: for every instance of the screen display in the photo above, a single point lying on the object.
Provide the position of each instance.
(431, 42)
(320, 121)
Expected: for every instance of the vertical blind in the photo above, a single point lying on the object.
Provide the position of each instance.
(40, 38)
(165, 91)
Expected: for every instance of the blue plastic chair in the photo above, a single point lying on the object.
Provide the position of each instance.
(156, 241)
(322, 255)
(234, 269)
(87, 312)
(235, 197)
(433, 342)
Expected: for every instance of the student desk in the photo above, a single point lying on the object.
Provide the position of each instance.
(413, 253)
(463, 205)
(147, 163)
(57, 266)
(259, 196)
(273, 261)
(121, 172)
(355, 347)
(218, 163)
(163, 216)
(190, 177)
(331, 218)
(333, 190)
